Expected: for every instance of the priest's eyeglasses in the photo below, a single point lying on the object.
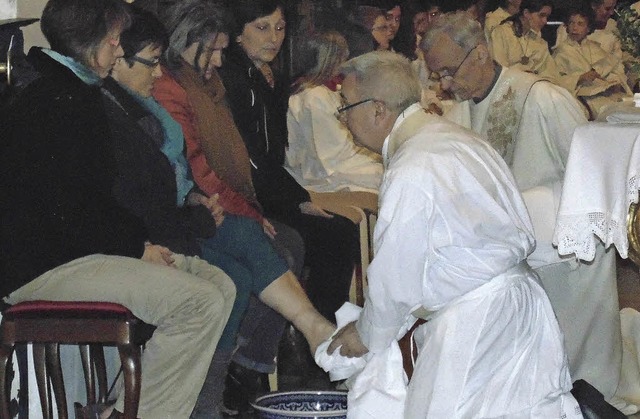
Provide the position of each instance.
(149, 63)
(444, 73)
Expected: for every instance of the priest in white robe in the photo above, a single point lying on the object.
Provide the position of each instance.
(530, 122)
(451, 243)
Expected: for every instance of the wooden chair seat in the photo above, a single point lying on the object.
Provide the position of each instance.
(47, 324)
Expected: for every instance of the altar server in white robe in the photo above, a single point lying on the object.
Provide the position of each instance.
(495, 17)
(321, 154)
(606, 30)
(530, 122)
(451, 243)
(586, 70)
(518, 42)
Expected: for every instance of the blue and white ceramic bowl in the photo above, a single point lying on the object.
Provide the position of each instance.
(302, 404)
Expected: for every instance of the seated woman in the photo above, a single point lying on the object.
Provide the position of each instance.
(594, 76)
(64, 235)
(321, 154)
(154, 182)
(518, 43)
(259, 108)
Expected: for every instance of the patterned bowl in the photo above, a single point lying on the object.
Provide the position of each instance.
(302, 404)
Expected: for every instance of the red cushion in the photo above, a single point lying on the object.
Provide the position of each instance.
(92, 309)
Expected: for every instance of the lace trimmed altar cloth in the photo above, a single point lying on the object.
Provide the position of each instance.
(601, 181)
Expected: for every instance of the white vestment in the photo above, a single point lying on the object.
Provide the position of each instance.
(608, 38)
(451, 238)
(321, 155)
(574, 59)
(583, 294)
(493, 19)
(529, 52)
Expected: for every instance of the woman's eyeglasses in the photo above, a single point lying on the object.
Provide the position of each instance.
(149, 63)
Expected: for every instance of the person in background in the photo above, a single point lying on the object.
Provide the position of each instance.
(495, 16)
(596, 77)
(518, 42)
(321, 155)
(65, 237)
(416, 17)
(605, 30)
(155, 183)
(530, 122)
(374, 20)
(492, 346)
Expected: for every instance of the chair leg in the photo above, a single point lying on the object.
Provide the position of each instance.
(89, 379)
(6, 351)
(54, 370)
(130, 359)
(39, 365)
(100, 370)
(21, 351)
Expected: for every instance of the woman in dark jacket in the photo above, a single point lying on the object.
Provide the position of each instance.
(258, 100)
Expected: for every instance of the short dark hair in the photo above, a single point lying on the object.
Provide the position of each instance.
(145, 30)
(193, 21)
(76, 28)
(584, 11)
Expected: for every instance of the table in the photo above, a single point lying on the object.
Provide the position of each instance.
(601, 181)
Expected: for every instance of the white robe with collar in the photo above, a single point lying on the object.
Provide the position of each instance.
(507, 50)
(321, 155)
(452, 237)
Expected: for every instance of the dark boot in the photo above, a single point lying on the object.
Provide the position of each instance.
(297, 370)
(210, 402)
(243, 386)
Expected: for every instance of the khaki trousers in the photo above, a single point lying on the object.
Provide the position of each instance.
(189, 305)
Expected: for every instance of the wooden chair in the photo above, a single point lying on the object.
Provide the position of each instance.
(361, 208)
(47, 324)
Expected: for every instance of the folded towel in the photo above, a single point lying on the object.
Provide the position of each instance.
(340, 367)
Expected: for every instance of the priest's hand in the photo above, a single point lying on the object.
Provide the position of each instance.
(348, 340)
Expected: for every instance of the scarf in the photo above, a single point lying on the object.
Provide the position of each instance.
(173, 145)
(83, 72)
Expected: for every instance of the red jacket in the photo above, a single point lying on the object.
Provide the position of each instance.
(195, 120)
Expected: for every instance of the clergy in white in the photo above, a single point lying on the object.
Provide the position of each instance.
(451, 243)
(530, 122)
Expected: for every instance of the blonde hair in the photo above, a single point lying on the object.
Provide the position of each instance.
(320, 57)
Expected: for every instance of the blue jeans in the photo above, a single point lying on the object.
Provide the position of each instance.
(243, 251)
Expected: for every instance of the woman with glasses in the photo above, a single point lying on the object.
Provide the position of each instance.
(518, 42)
(321, 154)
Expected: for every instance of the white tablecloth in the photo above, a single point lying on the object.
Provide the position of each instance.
(601, 181)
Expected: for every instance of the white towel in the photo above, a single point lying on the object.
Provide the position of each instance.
(377, 382)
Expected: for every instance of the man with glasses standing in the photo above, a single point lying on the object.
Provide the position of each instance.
(451, 243)
(530, 122)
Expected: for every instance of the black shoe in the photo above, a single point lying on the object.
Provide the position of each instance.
(242, 387)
